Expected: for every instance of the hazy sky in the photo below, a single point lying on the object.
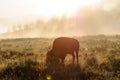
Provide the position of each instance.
(13, 10)
(23, 9)
(46, 8)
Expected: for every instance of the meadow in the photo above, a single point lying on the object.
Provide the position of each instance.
(25, 59)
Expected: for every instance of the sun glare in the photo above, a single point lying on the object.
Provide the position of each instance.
(32, 9)
(91, 2)
(50, 8)
(45, 8)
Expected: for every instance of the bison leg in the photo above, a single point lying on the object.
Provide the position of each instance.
(73, 58)
(62, 59)
(77, 56)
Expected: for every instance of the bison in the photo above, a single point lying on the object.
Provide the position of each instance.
(63, 46)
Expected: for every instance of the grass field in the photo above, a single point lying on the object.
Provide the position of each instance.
(24, 59)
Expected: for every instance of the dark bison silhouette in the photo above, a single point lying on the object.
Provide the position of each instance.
(63, 46)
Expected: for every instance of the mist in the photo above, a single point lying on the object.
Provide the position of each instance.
(86, 21)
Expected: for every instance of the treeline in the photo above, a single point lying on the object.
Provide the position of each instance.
(86, 21)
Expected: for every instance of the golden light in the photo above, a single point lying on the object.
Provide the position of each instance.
(48, 77)
(91, 2)
(31, 9)
(50, 8)
(46, 8)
